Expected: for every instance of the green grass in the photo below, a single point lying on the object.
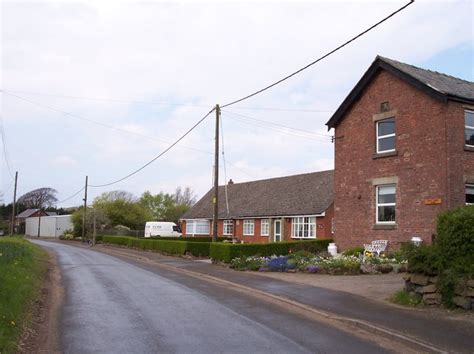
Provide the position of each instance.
(22, 270)
(405, 298)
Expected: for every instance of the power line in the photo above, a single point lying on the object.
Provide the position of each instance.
(72, 196)
(5, 150)
(319, 59)
(161, 102)
(158, 156)
(279, 125)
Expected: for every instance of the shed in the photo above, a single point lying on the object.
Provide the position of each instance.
(51, 226)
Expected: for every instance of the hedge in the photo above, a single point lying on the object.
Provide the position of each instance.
(225, 252)
(172, 247)
(188, 238)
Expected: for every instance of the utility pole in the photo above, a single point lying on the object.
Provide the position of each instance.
(216, 177)
(39, 220)
(95, 229)
(12, 225)
(84, 234)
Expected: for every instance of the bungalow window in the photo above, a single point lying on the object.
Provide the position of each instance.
(303, 227)
(385, 210)
(197, 227)
(386, 135)
(248, 227)
(265, 227)
(469, 127)
(228, 227)
(469, 194)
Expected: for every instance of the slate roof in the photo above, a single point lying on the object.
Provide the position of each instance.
(305, 194)
(439, 86)
(27, 213)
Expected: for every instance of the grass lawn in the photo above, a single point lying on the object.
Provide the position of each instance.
(22, 271)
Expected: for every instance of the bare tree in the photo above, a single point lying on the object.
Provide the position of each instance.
(39, 198)
(186, 197)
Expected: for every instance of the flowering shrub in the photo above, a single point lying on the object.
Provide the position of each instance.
(248, 263)
(279, 264)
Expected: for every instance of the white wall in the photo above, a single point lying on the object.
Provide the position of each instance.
(51, 226)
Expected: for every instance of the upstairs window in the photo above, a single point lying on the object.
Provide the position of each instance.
(386, 135)
(385, 204)
(469, 127)
(228, 227)
(469, 194)
(248, 227)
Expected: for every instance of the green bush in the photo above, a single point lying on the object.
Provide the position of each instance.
(172, 247)
(452, 257)
(354, 251)
(225, 252)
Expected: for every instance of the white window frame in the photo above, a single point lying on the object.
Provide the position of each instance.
(197, 224)
(467, 127)
(298, 224)
(265, 231)
(225, 228)
(249, 227)
(384, 136)
(465, 193)
(377, 205)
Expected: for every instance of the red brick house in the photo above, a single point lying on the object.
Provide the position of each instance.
(271, 210)
(404, 152)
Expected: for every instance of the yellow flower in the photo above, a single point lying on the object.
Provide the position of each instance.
(13, 323)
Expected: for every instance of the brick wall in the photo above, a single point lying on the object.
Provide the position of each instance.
(429, 143)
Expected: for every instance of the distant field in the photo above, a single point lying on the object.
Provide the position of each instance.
(22, 271)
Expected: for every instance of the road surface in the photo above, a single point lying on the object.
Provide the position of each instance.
(113, 305)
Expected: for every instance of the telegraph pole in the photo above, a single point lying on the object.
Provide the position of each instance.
(216, 177)
(12, 225)
(84, 214)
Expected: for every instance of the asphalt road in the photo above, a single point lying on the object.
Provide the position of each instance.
(117, 306)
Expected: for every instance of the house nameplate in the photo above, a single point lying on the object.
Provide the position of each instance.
(436, 201)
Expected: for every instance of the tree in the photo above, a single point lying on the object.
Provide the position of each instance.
(122, 208)
(102, 221)
(168, 207)
(39, 198)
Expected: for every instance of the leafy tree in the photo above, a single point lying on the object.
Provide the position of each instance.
(122, 208)
(102, 221)
(168, 207)
(39, 198)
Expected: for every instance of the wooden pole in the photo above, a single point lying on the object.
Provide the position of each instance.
(84, 214)
(216, 177)
(12, 225)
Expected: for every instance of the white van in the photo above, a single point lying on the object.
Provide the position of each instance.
(162, 229)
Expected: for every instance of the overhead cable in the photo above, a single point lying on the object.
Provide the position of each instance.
(156, 157)
(319, 59)
(72, 196)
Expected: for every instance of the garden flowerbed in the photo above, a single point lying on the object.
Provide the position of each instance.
(306, 262)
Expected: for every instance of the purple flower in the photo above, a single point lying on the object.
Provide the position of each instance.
(312, 269)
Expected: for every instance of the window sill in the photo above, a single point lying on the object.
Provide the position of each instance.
(384, 227)
(303, 238)
(248, 235)
(468, 148)
(384, 154)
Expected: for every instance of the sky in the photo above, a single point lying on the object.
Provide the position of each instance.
(100, 88)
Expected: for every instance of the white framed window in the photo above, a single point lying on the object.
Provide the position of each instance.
(265, 227)
(385, 200)
(228, 227)
(469, 127)
(198, 227)
(303, 227)
(386, 135)
(469, 194)
(249, 227)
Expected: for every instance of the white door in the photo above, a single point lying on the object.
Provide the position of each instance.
(277, 231)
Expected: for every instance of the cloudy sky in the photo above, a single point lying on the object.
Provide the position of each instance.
(99, 88)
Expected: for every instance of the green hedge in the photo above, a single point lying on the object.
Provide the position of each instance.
(225, 252)
(172, 247)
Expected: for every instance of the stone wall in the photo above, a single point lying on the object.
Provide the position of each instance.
(426, 287)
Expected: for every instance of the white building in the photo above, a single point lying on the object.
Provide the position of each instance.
(50, 226)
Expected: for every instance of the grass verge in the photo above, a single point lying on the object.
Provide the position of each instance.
(405, 298)
(23, 268)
